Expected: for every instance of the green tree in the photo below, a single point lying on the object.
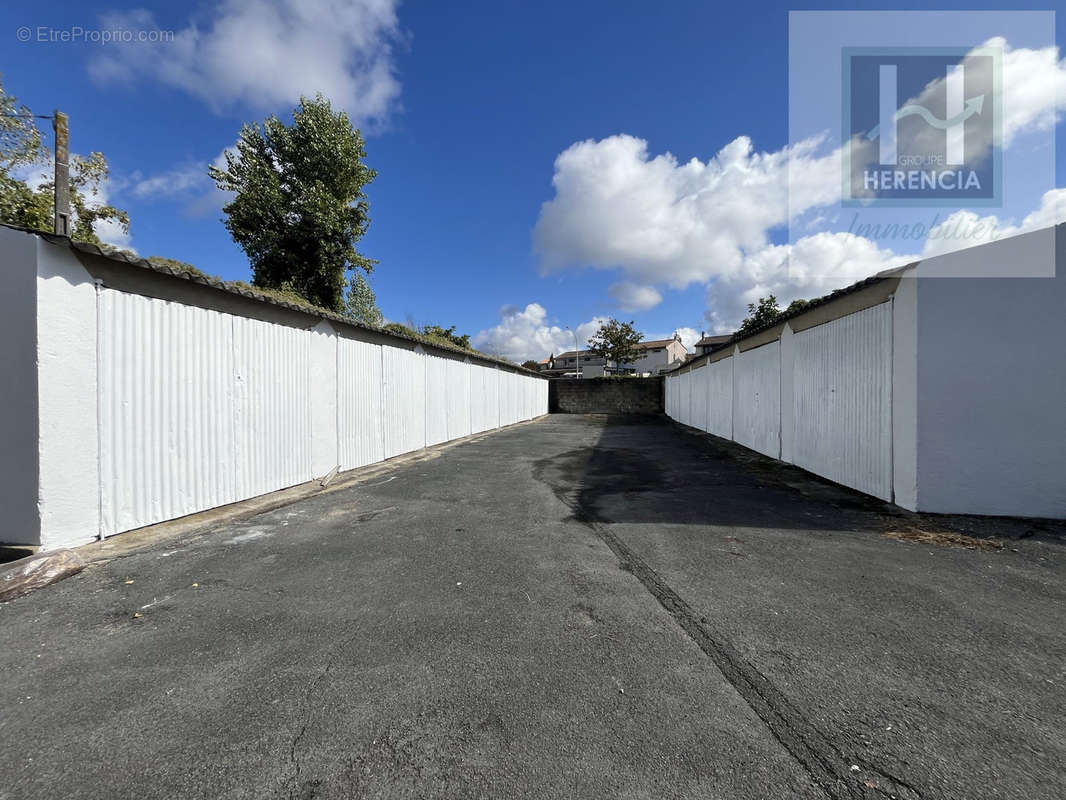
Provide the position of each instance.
(616, 341)
(20, 138)
(762, 313)
(299, 206)
(531, 364)
(361, 303)
(767, 312)
(33, 205)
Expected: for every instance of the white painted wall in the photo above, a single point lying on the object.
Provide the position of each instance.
(132, 409)
(991, 429)
(68, 494)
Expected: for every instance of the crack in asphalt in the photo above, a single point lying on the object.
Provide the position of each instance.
(293, 781)
(827, 765)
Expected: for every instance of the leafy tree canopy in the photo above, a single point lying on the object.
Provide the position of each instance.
(361, 303)
(20, 138)
(759, 314)
(616, 341)
(766, 312)
(31, 204)
(299, 206)
(531, 364)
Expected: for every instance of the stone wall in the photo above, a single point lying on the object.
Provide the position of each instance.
(605, 395)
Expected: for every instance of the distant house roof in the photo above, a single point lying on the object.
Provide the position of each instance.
(707, 341)
(572, 353)
(655, 343)
(649, 345)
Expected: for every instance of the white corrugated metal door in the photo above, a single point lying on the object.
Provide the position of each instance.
(842, 394)
(757, 399)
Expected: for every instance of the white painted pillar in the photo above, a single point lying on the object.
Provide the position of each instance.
(905, 392)
(69, 480)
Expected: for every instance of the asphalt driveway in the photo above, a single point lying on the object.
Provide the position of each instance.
(576, 607)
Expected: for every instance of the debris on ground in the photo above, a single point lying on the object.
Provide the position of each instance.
(943, 538)
(27, 574)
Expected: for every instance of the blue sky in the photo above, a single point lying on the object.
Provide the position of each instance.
(466, 111)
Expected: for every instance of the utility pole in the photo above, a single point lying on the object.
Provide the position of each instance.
(62, 173)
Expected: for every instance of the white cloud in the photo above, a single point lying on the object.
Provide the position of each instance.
(109, 231)
(1034, 88)
(967, 229)
(177, 180)
(525, 333)
(634, 297)
(1052, 211)
(264, 54)
(689, 337)
(188, 181)
(664, 222)
(811, 267)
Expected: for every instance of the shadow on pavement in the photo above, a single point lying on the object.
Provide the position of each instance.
(649, 469)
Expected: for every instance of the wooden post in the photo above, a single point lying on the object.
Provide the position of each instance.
(62, 173)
